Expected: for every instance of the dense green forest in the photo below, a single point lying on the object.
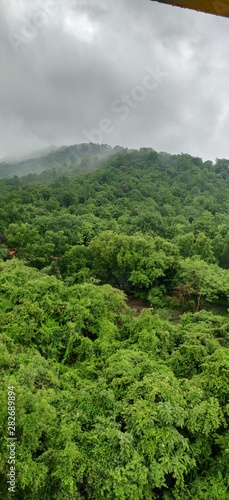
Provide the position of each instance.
(63, 159)
(116, 402)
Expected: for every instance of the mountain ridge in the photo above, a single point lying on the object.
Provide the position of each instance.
(55, 159)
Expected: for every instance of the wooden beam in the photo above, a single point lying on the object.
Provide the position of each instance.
(216, 7)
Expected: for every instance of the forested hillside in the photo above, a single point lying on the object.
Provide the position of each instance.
(112, 402)
(58, 160)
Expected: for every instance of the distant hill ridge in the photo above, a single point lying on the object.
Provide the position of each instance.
(55, 158)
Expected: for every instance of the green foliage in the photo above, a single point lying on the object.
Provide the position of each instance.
(121, 397)
(133, 263)
(200, 282)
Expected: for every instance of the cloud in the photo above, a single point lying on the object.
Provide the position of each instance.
(65, 63)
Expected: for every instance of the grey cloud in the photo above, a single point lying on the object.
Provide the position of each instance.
(88, 55)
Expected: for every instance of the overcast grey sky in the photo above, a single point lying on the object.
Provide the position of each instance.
(127, 72)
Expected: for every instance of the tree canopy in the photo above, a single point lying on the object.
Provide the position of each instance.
(115, 401)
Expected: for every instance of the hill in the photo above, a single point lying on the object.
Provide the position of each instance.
(57, 158)
(114, 299)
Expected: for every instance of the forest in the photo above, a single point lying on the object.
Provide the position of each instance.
(114, 300)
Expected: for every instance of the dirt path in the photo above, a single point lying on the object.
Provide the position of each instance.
(136, 304)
